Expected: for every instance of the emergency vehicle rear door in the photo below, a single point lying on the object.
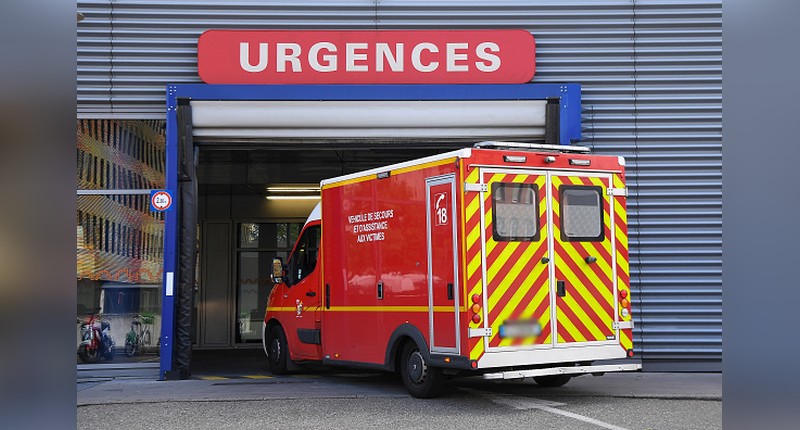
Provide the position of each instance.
(443, 296)
(583, 257)
(516, 259)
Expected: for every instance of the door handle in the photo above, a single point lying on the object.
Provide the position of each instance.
(327, 296)
(380, 290)
(591, 259)
(449, 291)
(311, 294)
(561, 288)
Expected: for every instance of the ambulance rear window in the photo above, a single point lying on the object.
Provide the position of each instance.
(581, 214)
(516, 212)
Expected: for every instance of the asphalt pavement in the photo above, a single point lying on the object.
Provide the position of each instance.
(227, 392)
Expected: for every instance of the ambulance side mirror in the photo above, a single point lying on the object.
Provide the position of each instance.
(278, 273)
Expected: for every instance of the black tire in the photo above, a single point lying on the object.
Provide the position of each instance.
(88, 355)
(277, 351)
(551, 381)
(130, 348)
(421, 380)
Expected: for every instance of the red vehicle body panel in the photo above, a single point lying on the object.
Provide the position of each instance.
(409, 248)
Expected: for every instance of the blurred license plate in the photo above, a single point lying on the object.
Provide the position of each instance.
(520, 329)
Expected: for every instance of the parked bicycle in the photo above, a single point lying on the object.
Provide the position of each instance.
(139, 337)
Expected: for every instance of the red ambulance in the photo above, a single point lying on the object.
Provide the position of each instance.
(508, 260)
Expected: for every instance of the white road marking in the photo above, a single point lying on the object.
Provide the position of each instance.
(527, 403)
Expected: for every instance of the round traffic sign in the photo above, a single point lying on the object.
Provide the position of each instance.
(161, 200)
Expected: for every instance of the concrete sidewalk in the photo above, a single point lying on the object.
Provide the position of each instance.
(125, 387)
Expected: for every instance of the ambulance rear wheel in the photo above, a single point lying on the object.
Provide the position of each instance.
(420, 379)
(277, 352)
(552, 380)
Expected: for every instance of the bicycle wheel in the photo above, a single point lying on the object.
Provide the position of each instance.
(146, 338)
(130, 348)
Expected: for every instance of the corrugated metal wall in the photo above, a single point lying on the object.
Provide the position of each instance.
(652, 91)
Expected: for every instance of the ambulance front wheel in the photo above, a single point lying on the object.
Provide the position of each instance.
(551, 380)
(277, 351)
(420, 379)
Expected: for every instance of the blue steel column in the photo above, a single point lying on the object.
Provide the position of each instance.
(170, 237)
(570, 117)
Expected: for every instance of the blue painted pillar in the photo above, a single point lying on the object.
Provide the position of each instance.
(170, 237)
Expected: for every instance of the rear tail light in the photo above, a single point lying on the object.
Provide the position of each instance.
(476, 308)
(624, 303)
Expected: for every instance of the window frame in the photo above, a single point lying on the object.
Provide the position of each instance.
(562, 219)
(303, 246)
(538, 228)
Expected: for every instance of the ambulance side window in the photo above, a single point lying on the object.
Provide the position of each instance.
(304, 259)
(581, 213)
(516, 212)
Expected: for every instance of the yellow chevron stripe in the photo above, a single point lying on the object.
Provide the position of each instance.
(517, 296)
(622, 263)
(619, 211)
(617, 181)
(622, 239)
(572, 249)
(474, 265)
(570, 328)
(473, 206)
(596, 333)
(581, 314)
(477, 350)
(497, 263)
(473, 176)
(474, 236)
(624, 340)
(576, 284)
(586, 270)
(540, 296)
(501, 286)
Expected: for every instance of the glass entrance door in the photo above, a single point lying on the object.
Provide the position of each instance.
(258, 243)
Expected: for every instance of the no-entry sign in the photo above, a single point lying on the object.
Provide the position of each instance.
(160, 200)
(366, 57)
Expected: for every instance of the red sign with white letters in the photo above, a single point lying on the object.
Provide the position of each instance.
(366, 57)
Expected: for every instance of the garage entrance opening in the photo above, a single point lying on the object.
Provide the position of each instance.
(251, 206)
(245, 162)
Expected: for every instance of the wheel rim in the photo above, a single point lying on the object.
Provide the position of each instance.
(417, 369)
(92, 352)
(275, 349)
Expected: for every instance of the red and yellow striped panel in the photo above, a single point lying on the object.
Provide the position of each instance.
(586, 313)
(473, 278)
(623, 274)
(517, 282)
